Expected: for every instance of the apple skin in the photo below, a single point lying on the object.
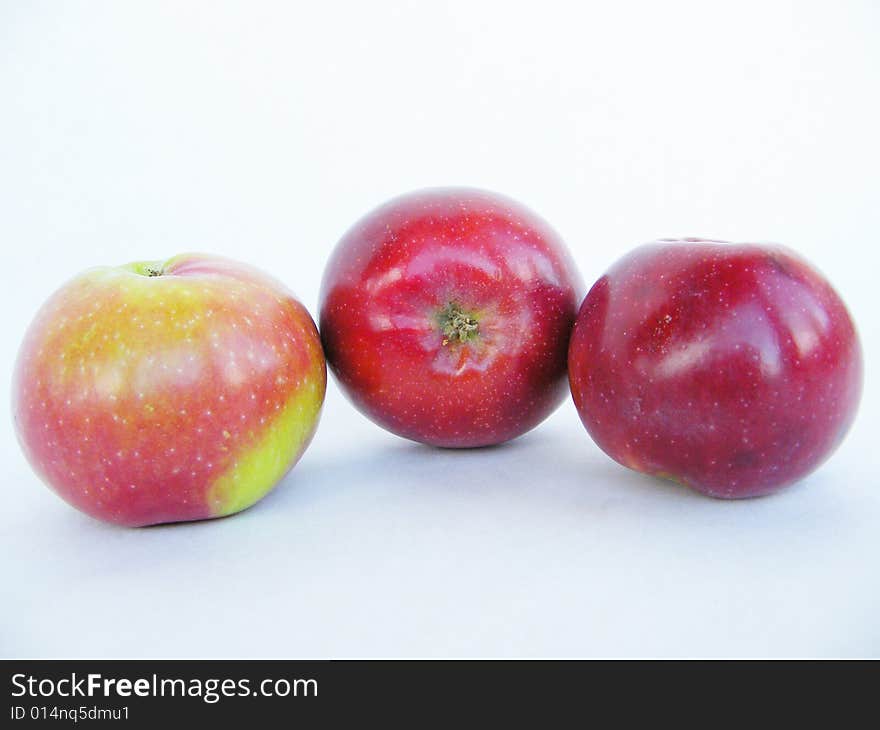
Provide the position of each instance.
(446, 314)
(733, 369)
(168, 391)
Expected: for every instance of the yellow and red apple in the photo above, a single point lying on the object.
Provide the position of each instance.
(168, 391)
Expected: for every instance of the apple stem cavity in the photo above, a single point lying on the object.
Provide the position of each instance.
(457, 325)
(146, 268)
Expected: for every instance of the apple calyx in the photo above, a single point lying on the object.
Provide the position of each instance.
(457, 325)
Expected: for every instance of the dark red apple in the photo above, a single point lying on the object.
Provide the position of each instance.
(446, 314)
(733, 369)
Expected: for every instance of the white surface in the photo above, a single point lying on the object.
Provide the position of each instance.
(262, 131)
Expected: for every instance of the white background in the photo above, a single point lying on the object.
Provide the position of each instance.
(261, 131)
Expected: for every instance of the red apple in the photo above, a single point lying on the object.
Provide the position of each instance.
(162, 392)
(445, 315)
(733, 369)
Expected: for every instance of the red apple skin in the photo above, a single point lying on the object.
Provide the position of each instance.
(401, 278)
(733, 369)
(168, 391)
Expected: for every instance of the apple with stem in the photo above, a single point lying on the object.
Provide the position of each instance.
(445, 315)
(733, 369)
(168, 391)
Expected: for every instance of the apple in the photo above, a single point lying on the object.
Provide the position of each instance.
(733, 369)
(445, 316)
(168, 391)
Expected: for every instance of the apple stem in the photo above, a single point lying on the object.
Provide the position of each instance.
(457, 325)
